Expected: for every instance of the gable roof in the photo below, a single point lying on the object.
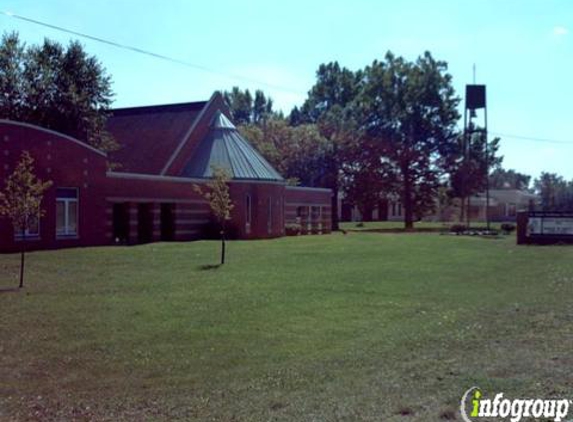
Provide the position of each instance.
(225, 147)
(149, 135)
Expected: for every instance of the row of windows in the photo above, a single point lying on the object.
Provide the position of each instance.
(66, 215)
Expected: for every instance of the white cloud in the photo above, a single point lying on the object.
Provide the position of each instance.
(560, 31)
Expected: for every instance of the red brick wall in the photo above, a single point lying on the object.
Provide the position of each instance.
(260, 195)
(69, 163)
(66, 163)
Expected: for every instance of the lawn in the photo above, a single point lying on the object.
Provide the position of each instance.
(356, 327)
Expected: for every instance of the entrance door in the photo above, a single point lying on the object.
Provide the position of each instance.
(167, 222)
(144, 223)
(120, 223)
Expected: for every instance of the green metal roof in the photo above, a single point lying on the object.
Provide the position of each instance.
(224, 147)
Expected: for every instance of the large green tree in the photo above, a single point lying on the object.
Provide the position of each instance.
(248, 110)
(409, 111)
(299, 153)
(57, 87)
(509, 179)
(555, 192)
(327, 105)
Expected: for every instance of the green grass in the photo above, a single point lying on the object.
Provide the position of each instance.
(354, 327)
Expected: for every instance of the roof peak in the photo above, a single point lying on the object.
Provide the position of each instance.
(220, 121)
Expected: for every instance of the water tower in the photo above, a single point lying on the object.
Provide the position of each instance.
(476, 123)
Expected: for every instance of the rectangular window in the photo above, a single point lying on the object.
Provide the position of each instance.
(66, 212)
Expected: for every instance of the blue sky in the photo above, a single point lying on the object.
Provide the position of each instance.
(522, 50)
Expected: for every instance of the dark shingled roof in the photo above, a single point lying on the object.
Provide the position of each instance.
(149, 135)
(225, 147)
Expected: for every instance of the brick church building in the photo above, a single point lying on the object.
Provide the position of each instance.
(165, 150)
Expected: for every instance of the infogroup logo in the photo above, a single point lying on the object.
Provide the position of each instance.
(474, 406)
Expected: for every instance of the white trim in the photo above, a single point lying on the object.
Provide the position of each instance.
(52, 132)
(188, 133)
(179, 179)
(154, 177)
(303, 188)
(67, 201)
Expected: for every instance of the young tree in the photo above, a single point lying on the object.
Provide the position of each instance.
(21, 201)
(57, 87)
(219, 199)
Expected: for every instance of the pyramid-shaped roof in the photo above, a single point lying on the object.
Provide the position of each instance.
(224, 147)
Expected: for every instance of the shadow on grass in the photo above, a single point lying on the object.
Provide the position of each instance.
(208, 267)
(9, 289)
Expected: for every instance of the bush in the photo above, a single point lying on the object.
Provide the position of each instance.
(361, 224)
(507, 228)
(293, 229)
(458, 228)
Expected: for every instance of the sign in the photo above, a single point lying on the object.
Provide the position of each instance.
(550, 226)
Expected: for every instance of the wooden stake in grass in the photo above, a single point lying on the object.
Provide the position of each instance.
(21, 201)
(219, 201)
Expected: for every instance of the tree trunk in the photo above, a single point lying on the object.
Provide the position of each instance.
(22, 254)
(407, 198)
(222, 248)
(334, 207)
(468, 207)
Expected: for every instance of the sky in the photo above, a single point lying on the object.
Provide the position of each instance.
(522, 51)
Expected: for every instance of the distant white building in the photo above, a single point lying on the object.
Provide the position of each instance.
(503, 206)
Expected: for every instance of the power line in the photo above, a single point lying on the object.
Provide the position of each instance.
(151, 53)
(531, 138)
(228, 75)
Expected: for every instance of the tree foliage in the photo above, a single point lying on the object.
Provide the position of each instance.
(57, 87)
(555, 192)
(509, 179)
(219, 198)
(22, 196)
(468, 166)
(248, 110)
(298, 153)
(21, 200)
(327, 105)
(408, 113)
